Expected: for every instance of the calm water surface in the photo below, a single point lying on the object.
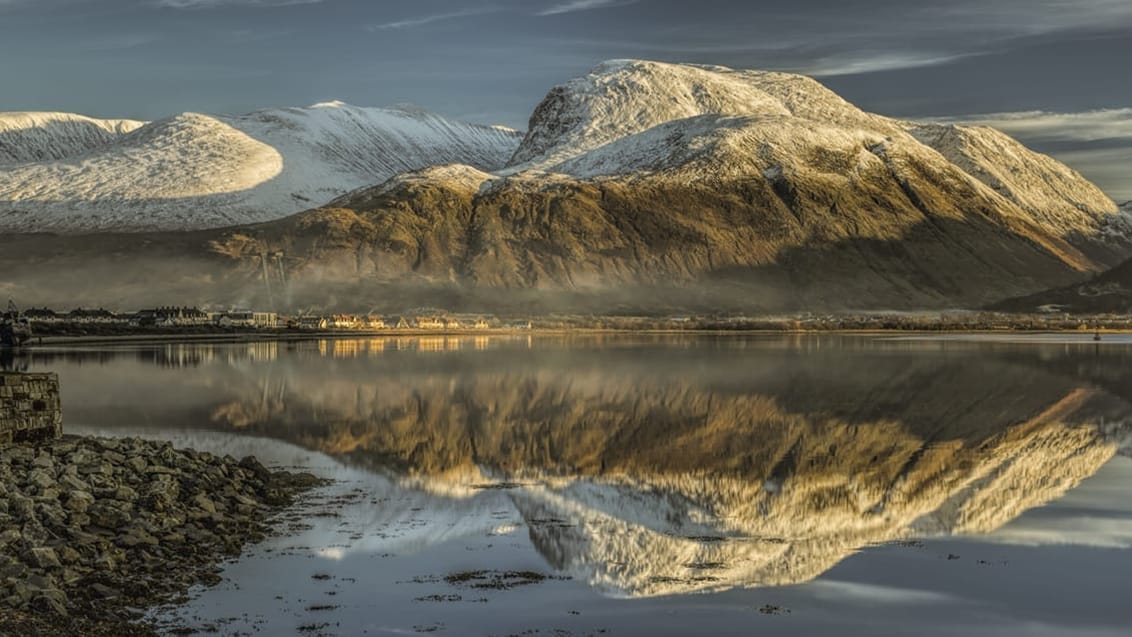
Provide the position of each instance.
(655, 486)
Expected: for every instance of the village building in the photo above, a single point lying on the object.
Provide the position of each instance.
(344, 322)
(171, 317)
(375, 323)
(313, 322)
(429, 323)
(451, 324)
(481, 324)
(91, 317)
(44, 315)
(247, 318)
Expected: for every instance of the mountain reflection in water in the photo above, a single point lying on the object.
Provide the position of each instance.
(651, 466)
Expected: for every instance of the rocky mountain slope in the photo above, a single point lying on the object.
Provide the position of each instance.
(202, 171)
(645, 186)
(645, 180)
(1109, 292)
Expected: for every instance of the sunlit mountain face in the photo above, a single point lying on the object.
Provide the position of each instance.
(655, 466)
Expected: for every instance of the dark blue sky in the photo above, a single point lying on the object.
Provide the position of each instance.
(493, 60)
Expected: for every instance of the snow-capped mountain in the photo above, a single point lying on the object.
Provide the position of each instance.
(634, 116)
(643, 185)
(199, 171)
(30, 137)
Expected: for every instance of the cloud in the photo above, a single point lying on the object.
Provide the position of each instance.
(1085, 126)
(582, 5)
(874, 593)
(429, 19)
(852, 65)
(118, 42)
(1034, 16)
(1092, 531)
(208, 4)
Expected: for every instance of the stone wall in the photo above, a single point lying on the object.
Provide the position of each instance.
(29, 407)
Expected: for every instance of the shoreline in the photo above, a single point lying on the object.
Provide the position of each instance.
(94, 529)
(265, 336)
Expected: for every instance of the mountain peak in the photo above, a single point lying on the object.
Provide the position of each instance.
(620, 98)
(40, 136)
(330, 104)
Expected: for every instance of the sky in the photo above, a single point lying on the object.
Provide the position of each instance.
(1051, 72)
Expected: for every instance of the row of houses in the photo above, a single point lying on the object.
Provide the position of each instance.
(157, 317)
(173, 316)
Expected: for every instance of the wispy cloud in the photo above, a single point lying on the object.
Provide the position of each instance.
(208, 4)
(1088, 530)
(1031, 16)
(118, 42)
(582, 5)
(410, 23)
(1086, 126)
(890, 61)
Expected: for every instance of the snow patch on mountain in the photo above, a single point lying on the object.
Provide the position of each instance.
(195, 171)
(28, 137)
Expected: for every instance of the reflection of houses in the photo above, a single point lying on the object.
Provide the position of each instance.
(247, 318)
(171, 317)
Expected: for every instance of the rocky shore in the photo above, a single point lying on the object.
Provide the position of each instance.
(94, 530)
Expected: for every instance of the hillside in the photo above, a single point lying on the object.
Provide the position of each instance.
(34, 137)
(196, 171)
(647, 187)
(1109, 292)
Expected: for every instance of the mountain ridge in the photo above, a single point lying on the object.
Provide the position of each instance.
(193, 171)
(44, 136)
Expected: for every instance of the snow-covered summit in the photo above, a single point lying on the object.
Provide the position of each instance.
(620, 98)
(26, 137)
(196, 171)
